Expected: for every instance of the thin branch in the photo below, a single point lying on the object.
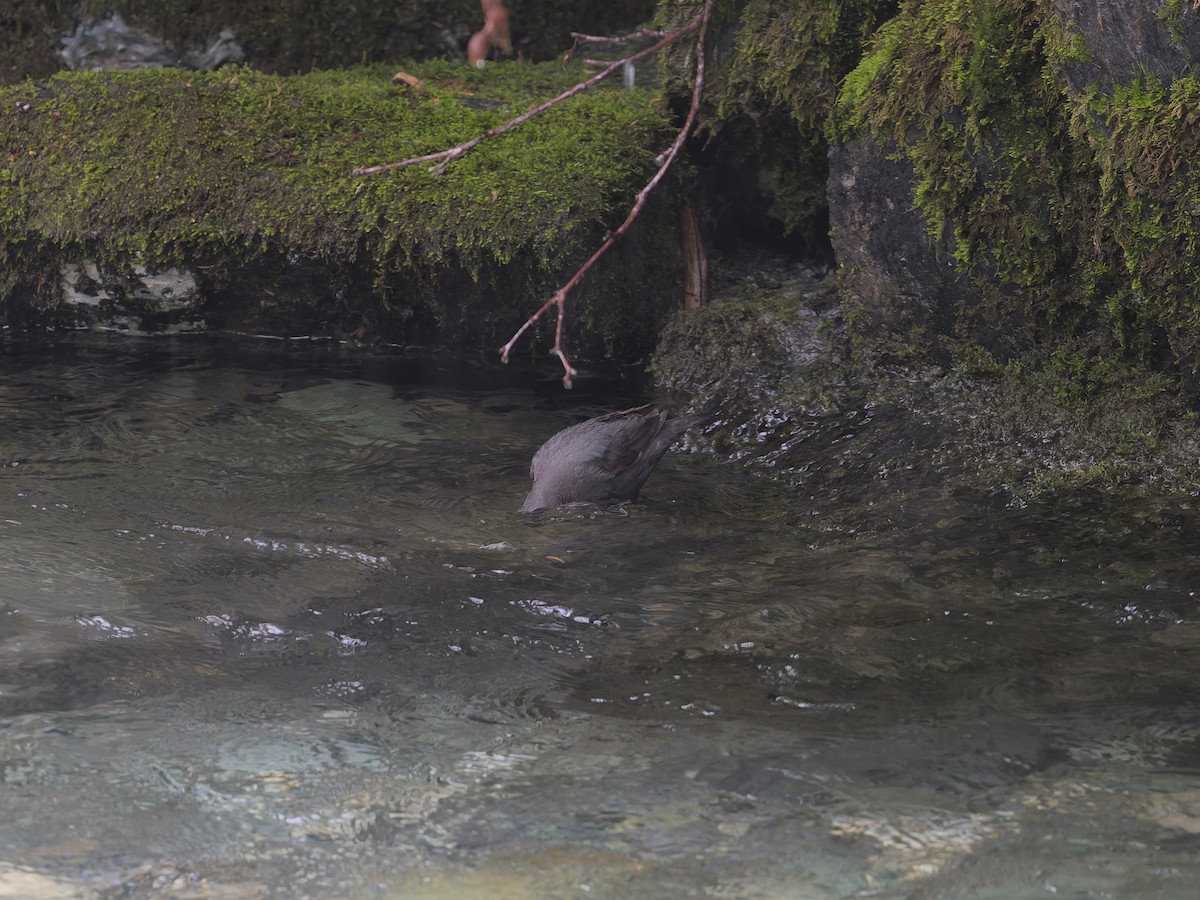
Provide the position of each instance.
(555, 300)
(448, 156)
(559, 298)
(578, 39)
(617, 39)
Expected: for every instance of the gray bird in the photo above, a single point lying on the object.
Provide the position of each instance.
(603, 460)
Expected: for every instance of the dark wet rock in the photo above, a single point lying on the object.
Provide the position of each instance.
(902, 286)
(1124, 39)
(132, 299)
(604, 459)
(111, 43)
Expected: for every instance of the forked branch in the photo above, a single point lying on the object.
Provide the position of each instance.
(559, 297)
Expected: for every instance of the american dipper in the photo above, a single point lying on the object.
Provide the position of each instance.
(602, 460)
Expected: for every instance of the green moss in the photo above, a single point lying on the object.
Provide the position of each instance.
(772, 78)
(1172, 15)
(1069, 209)
(226, 170)
(860, 80)
(1078, 414)
(788, 55)
(1145, 143)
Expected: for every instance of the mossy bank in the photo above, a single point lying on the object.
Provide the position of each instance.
(245, 179)
(1007, 189)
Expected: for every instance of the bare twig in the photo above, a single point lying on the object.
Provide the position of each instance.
(588, 61)
(642, 34)
(559, 297)
(617, 39)
(695, 259)
(448, 156)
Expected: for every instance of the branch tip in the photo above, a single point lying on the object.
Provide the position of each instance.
(662, 162)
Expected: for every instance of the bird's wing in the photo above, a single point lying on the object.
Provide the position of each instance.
(628, 442)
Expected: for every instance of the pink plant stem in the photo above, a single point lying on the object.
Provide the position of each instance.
(559, 298)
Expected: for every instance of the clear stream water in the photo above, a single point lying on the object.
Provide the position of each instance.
(272, 626)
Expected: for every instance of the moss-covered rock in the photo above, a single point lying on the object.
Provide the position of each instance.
(1020, 234)
(772, 77)
(1052, 203)
(758, 362)
(245, 179)
(955, 114)
(768, 365)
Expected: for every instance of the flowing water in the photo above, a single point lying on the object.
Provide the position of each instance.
(272, 626)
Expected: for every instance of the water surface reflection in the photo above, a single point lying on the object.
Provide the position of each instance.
(270, 623)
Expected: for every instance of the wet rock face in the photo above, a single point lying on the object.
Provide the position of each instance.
(1124, 37)
(110, 43)
(894, 281)
(136, 301)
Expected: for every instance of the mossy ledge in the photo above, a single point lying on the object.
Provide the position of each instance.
(244, 178)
